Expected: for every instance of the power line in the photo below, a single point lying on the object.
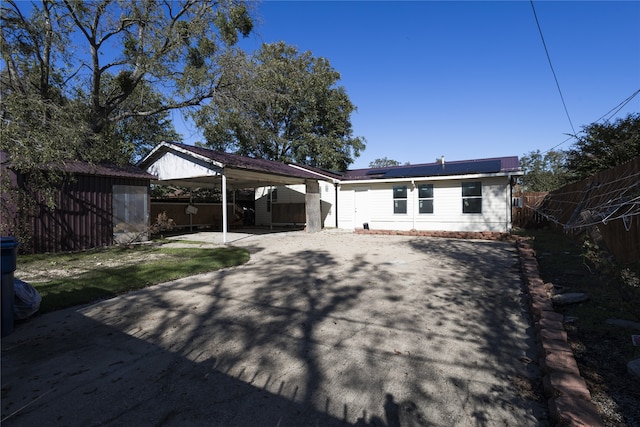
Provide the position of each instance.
(612, 112)
(551, 65)
(618, 107)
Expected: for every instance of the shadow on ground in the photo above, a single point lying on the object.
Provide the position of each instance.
(433, 332)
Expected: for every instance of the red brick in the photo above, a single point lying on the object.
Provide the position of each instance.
(554, 346)
(539, 304)
(572, 411)
(545, 323)
(535, 282)
(564, 384)
(560, 362)
(553, 334)
(552, 315)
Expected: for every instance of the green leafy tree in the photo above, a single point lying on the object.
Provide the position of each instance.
(135, 136)
(97, 61)
(544, 172)
(603, 146)
(291, 109)
(383, 163)
(93, 80)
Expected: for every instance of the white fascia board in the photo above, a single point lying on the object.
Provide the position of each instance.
(172, 166)
(429, 178)
(324, 177)
(166, 146)
(197, 156)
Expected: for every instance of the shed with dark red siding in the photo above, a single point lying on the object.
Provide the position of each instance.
(96, 205)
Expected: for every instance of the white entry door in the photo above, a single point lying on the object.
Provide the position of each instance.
(361, 207)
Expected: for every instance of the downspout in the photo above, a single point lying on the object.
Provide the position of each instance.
(413, 204)
(336, 209)
(510, 204)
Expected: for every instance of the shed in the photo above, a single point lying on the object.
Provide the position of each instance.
(96, 205)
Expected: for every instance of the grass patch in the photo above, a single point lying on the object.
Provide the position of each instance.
(98, 274)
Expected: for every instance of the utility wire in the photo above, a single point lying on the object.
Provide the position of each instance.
(609, 113)
(551, 65)
(618, 107)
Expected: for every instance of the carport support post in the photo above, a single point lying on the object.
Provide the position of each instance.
(224, 208)
(312, 206)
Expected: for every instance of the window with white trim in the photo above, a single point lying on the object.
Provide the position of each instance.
(472, 197)
(425, 198)
(399, 199)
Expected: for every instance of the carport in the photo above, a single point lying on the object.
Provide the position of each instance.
(188, 166)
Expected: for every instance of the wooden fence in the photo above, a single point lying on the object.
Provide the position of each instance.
(606, 205)
(525, 209)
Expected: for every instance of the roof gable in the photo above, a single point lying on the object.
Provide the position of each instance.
(240, 171)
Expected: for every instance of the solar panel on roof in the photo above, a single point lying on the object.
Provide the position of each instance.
(484, 166)
(376, 172)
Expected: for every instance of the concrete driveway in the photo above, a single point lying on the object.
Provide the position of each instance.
(320, 329)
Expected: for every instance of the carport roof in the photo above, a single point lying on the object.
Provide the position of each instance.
(241, 171)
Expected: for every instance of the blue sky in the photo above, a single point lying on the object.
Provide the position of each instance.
(465, 79)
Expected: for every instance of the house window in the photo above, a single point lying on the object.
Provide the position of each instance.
(472, 197)
(425, 198)
(399, 199)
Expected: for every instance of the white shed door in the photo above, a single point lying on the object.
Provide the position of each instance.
(361, 207)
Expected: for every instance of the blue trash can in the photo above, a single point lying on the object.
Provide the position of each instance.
(9, 249)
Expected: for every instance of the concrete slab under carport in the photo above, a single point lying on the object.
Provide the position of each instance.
(326, 329)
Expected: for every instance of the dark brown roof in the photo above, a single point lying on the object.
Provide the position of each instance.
(86, 168)
(105, 169)
(242, 162)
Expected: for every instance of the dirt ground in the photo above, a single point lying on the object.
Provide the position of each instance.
(615, 393)
(324, 329)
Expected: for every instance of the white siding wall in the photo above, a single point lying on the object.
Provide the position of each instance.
(296, 194)
(447, 207)
(328, 207)
(262, 217)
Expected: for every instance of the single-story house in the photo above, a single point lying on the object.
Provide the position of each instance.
(466, 196)
(96, 205)
(469, 195)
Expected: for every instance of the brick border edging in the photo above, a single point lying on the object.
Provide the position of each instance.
(568, 397)
(481, 235)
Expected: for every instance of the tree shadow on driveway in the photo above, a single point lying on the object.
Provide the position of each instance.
(357, 335)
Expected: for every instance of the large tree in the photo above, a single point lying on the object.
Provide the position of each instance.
(96, 62)
(96, 80)
(603, 146)
(291, 109)
(543, 171)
